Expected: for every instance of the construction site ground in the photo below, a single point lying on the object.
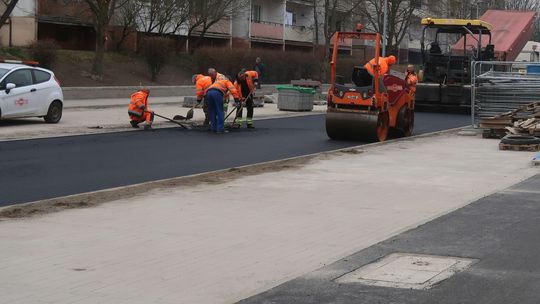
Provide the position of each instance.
(228, 236)
(51, 167)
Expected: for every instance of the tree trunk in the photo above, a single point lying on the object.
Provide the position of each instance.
(97, 68)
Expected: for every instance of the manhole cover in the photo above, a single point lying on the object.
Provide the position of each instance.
(411, 271)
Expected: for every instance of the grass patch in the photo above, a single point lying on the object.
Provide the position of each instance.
(14, 53)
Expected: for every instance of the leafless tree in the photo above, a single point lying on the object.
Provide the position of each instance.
(102, 12)
(126, 17)
(329, 17)
(7, 6)
(399, 19)
(163, 16)
(203, 14)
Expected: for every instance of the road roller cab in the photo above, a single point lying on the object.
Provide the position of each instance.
(372, 105)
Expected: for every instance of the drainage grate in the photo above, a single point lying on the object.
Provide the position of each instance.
(411, 271)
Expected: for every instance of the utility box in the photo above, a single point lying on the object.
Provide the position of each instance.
(293, 98)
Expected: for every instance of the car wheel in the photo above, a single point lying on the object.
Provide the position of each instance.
(55, 112)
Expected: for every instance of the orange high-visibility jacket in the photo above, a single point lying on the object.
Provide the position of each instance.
(254, 75)
(224, 86)
(412, 80)
(138, 104)
(250, 82)
(201, 84)
(220, 76)
(384, 63)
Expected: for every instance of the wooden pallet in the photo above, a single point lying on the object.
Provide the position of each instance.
(529, 148)
(493, 133)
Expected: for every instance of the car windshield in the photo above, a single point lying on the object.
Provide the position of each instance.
(3, 72)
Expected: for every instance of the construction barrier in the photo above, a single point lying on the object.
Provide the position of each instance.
(498, 87)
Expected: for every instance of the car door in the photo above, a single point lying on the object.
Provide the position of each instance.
(44, 89)
(19, 101)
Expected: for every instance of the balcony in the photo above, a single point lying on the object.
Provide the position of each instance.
(301, 2)
(298, 34)
(267, 31)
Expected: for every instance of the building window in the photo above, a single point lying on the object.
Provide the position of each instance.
(290, 18)
(256, 13)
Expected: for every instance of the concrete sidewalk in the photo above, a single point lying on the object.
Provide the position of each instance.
(232, 238)
(110, 115)
(500, 232)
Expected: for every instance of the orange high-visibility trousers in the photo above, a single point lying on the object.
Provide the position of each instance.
(146, 116)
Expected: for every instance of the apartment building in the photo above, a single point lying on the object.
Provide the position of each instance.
(281, 24)
(21, 27)
(275, 24)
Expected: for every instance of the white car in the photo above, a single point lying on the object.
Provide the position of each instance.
(28, 91)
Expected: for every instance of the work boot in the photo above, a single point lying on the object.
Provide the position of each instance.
(134, 124)
(250, 126)
(147, 127)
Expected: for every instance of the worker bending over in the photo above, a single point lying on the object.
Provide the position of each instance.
(214, 96)
(411, 78)
(202, 83)
(139, 111)
(245, 84)
(214, 75)
(384, 65)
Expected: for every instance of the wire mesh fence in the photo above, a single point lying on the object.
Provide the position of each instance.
(499, 87)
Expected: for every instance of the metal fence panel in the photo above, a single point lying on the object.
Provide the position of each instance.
(499, 87)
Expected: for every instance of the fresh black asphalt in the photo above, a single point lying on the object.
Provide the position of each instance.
(501, 231)
(45, 168)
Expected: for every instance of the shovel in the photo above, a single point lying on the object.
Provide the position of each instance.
(189, 114)
(172, 120)
(238, 107)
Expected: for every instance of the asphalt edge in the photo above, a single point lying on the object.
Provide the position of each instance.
(124, 127)
(94, 198)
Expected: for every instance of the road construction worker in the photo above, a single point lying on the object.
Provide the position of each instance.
(384, 64)
(245, 84)
(214, 96)
(214, 75)
(411, 78)
(202, 83)
(139, 111)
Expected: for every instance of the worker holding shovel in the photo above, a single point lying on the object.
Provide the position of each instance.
(214, 95)
(139, 111)
(245, 84)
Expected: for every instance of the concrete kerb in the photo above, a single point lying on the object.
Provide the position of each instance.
(95, 198)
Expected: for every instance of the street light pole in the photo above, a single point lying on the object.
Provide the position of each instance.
(385, 21)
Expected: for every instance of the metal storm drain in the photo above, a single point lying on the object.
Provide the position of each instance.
(411, 271)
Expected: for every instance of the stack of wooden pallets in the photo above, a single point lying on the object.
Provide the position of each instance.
(524, 120)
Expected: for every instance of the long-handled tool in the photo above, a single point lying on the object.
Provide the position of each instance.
(238, 108)
(189, 114)
(172, 120)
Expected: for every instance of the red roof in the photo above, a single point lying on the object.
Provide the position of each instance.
(511, 31)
